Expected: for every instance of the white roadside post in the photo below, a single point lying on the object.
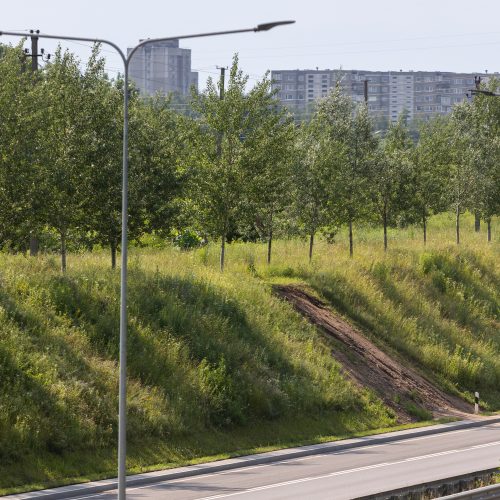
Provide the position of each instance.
(122, 399)
(476, 402)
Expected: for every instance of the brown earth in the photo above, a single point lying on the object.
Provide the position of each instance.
(398, 385)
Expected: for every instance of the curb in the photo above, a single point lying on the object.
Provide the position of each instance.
(135, 480)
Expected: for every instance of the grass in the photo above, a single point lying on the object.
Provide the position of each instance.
(219, 366)
(210, 354)
(437, 306)
(153, 455)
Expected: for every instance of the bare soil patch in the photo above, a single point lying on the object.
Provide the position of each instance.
(400, 386)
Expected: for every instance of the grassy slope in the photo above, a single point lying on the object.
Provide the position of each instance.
(438, 306)
(216, 364)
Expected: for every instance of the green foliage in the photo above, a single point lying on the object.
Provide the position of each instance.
(187, 239)
(208, 353)
(437, 306)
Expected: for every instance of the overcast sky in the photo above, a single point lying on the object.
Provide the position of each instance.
(446, 35)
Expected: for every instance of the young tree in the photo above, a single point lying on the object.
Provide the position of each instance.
(312, 178)
(267, 166)
(101, 135)
(484, 123)
(159, 143)
(463, 157)
(390, 175)
(429, 162)
(353, 145)
(62, 151)
(226, 130)
(20, 117)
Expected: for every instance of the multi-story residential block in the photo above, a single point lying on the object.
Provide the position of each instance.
(421, 94)
(163, 67)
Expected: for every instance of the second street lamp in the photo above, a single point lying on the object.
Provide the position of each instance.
(122, 404)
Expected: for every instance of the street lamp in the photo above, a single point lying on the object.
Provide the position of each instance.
(122, 399)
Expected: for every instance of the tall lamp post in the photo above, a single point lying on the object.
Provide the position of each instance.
(122, 404)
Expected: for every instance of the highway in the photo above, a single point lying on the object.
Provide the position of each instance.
(340, 475)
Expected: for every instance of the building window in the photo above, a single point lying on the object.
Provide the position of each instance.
(277, 76)
(289, 97)
(290, 87)
(301, 78)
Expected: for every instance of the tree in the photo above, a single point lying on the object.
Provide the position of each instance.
(312, 177)
(224, 142)
(390, 175)
(101, 138)
(353, 145)
(62, 151)
(159, 143)
(19, 177)
(463, 156)
(484, 126)
(266, 166)
(430, 160)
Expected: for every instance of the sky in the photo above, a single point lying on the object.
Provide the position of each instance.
(441, 35)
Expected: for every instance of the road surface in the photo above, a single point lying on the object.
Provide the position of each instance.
(340, 475)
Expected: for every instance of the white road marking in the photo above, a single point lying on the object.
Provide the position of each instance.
(348, 471)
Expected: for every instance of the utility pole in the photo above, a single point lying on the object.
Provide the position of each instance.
(34, 243)
(366, 91)
(219, 155)
(477, 216)
(222, 78)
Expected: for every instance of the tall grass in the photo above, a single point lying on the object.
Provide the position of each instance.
(215, 361)
(208, 353)
(437, 306)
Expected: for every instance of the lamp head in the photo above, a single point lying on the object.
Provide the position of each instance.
(270, 26)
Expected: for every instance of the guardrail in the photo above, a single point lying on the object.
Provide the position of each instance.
(485, 493)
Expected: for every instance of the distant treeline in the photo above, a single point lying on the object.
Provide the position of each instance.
(237, 167)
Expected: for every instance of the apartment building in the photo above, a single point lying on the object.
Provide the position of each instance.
(421, 94)
(163, 67)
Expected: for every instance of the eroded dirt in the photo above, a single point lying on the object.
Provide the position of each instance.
(363, 362)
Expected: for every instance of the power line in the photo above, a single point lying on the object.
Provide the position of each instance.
(368, 42)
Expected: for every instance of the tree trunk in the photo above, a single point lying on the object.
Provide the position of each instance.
(477, 222)
(385, 228)
(269, 244)
(458, 225)
(311, 244)
(113, 255)
(63, 252)
(488, 222)
(424, 220)
(222, 252)
(33, 246)
(351, 242)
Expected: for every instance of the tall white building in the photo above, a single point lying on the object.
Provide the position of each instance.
(163, 67)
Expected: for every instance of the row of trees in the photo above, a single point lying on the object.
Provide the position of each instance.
(234, 167)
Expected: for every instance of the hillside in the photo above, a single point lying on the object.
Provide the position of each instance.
(217, 363)
(438, 307)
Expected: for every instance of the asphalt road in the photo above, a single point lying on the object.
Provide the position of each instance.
(341, 475)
